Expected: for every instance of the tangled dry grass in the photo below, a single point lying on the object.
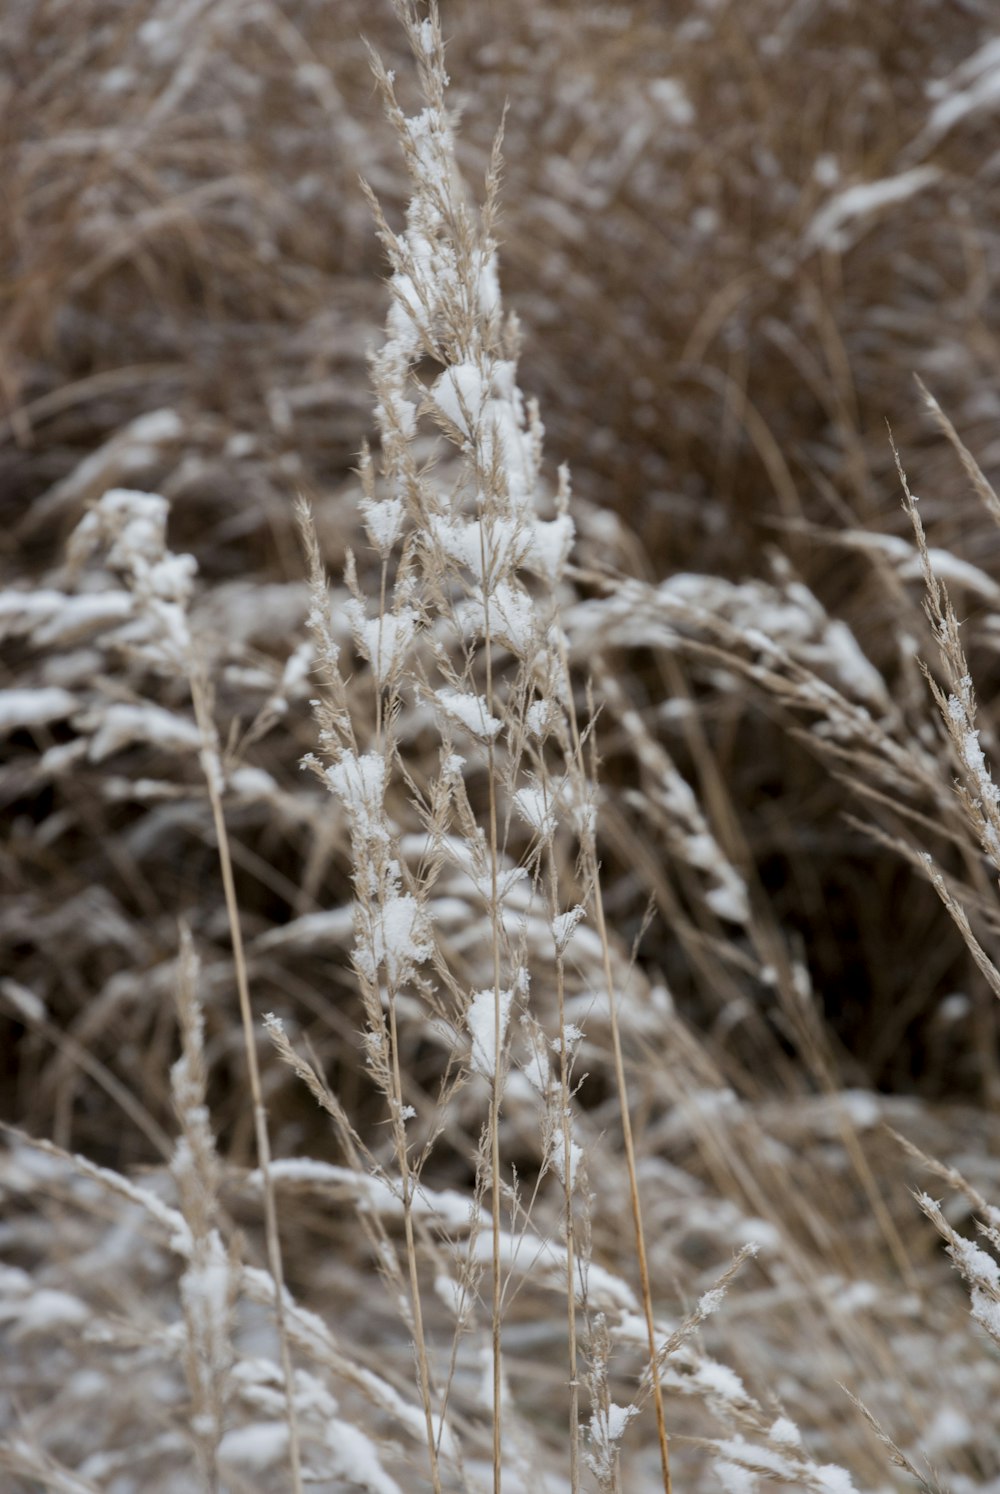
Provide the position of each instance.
(642, 963)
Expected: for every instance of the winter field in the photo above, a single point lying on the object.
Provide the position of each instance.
(499, 936)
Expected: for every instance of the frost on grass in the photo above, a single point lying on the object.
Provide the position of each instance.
(978, 1268)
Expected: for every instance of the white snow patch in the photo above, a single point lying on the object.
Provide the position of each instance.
(360, 783)
(549, 544)
(471, 711)
(842, 218)
(508, 616)
(384, 640)
(395, 937)
(115, 727)
(45, 1310)
(460, 394)
(482, 1022)
(256, 1447)
(34, 707)
(535, 806)
(383, 521)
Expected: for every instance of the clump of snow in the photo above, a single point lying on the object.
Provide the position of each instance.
(535, 806)
(44, 1310)
(671, 97)
(538, 717)
(460, 394)
(507, 617)
(973, 86)
(549, 545)
(536, 1070)
(843, 217)
(949, 1429)
(564, 924)
(729, 900)
(471, 711)
(360, 783)
(606, 1429)
(384, 640)
(508, 880)
(384, 521)
(834, 1479)
(395, 937)
(489, 548)
(559, 1158)
(720, 1382)
(710, 1302)
(115, 727)
(20, 708)
(256, 1447)
(735, 1480)
(481, 1018)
